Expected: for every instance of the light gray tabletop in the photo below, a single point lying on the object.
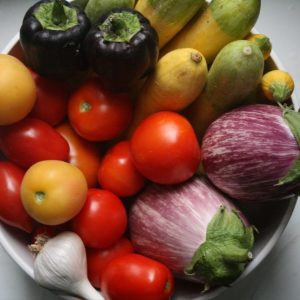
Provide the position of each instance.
(278, 277)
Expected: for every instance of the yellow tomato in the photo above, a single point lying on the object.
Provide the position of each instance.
(53, 191)
(17, 90)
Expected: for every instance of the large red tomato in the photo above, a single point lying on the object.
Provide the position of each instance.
(165, 149)
(12, 211)
(83, 154)
(102, 221)
(52, 100)
(32, 140)
(136, 277)
(117, 172)
(97, 114)
(98, 259)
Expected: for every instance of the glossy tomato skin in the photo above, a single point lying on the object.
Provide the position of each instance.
(52, 100)
(32, 140)
(83, 154)
(136, 277)
(12, 211)
(165, 149)
(102, 221)
(97, 114)
(98, 259)
(117, 172)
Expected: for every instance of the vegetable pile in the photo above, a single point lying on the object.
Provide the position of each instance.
(129, 136)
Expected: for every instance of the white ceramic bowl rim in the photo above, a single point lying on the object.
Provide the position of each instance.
(28, 268)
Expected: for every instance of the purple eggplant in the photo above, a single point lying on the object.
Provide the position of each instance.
(193, 229)
(252, 153)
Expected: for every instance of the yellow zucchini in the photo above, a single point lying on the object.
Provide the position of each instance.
(221, 22)
(277, 85)
(178, 79)
(234, 75)
(168, 17)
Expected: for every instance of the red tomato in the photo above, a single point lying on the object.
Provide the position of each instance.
(102, 221)
(136, 277)
(32, 140)
(165, 149)
(97, 114)
(52, 100)
(98, 259)
(83, 154)
(12, 211)
(117, 172)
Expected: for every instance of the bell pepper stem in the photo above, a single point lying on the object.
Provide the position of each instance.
(58, 13)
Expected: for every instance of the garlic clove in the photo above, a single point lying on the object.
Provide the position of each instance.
(61, 265)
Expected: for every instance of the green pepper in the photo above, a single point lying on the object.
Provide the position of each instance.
(51, 36)
(122, 48)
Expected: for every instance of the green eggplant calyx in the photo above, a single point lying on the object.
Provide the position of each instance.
(56, 16)
(280, 91)
(227, 249)
(120, 27)
(292, 119)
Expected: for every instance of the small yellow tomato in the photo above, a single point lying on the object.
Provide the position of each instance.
(53, 191)
(277, 85)
(17, 90)
(263, 42)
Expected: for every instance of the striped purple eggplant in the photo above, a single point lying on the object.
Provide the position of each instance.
(193, 229)
(252, 153)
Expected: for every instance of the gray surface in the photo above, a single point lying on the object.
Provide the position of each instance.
(278, 277)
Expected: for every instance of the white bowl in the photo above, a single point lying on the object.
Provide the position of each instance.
(270, 229)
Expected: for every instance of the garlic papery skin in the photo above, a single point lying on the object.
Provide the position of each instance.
(61, 265)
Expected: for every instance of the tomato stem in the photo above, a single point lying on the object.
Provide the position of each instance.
(39, 197)
(85, 106)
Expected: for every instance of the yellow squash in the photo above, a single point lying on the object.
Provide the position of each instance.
(221, 22)
(178, 79)
(168, 17)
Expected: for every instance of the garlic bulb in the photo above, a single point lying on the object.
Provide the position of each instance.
(61, 265)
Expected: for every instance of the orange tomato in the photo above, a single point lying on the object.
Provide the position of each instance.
(83, 154)
(53, 191)
(17, 90)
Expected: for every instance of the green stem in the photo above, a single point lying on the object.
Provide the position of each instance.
(120, 27)
(56, 16)
(85, 107)
(58, 13)
(281, 91)
(39, 197)
(264, 44)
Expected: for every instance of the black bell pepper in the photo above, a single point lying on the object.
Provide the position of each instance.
(51, 36)
(122, 48)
